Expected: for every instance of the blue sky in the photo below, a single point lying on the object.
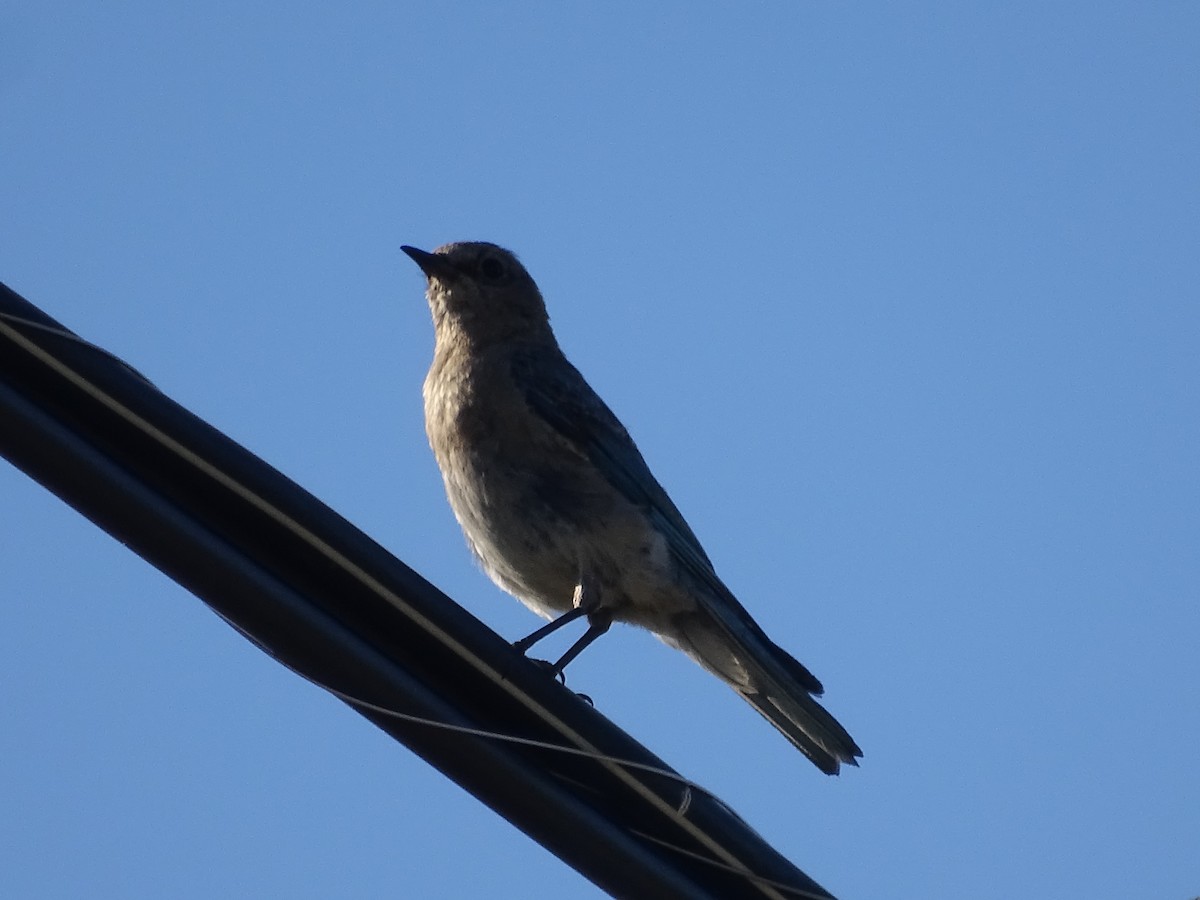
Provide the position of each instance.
(900, 304)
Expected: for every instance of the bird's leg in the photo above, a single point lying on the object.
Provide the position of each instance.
(598, 623)
(586, 602)
(549, 628)
(583, 601)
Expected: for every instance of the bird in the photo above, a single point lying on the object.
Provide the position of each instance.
(560, 508)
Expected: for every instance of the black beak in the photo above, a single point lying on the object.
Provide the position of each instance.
(432, 264)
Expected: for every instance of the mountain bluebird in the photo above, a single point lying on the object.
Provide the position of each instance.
(561, 509)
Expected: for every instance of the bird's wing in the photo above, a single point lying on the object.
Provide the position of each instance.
(557, 393)
(560, 396)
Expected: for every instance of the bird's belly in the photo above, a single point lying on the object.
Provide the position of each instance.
(539, 547)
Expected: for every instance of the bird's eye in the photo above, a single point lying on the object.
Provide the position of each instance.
(492, 269)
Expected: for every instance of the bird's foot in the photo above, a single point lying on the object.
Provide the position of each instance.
(552, 668)
(558, 673)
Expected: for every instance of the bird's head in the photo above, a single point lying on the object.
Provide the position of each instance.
(481, 292)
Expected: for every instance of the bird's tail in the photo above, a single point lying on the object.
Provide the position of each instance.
(804, 721)
(774, 683)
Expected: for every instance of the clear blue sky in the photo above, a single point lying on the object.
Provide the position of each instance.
(900, 302)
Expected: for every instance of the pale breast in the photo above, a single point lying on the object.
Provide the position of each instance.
(535, 511)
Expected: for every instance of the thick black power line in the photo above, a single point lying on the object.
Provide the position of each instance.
(330, 603)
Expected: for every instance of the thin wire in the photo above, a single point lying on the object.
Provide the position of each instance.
(688, 785)
(684, 804)
(749, 876)
(71, 336)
